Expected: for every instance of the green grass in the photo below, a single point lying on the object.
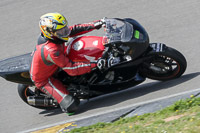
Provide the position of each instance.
(181, 117)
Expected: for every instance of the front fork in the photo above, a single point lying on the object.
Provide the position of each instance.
(156, 48)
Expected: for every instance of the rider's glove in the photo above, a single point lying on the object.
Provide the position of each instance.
(98, 24)
(101, 63)
(113, 61)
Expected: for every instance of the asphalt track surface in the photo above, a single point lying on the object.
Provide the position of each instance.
(173, 22)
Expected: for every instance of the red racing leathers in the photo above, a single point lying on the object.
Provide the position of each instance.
(49, 56)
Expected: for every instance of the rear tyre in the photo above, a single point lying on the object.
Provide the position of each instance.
(24, 91)
(165, 65)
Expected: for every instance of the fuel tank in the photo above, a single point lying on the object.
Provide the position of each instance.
(85, 48)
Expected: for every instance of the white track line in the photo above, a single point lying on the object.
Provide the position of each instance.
(113, 110)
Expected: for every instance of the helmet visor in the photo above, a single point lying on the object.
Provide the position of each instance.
(64, 32)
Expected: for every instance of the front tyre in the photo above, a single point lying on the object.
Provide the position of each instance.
(165, 65)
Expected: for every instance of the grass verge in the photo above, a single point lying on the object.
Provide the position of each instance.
(181, 117)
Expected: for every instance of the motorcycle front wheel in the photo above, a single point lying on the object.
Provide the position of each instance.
(165, 65)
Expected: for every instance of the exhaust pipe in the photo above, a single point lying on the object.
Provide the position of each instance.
(41, 101)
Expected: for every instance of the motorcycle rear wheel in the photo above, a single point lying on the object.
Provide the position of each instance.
(24, 91)
(165, 65)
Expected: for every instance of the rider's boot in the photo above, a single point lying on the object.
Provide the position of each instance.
(69, 104)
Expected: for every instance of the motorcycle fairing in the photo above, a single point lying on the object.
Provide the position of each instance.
(16, 69)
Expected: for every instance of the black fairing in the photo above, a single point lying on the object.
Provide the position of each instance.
(137, 45)
(16, 69)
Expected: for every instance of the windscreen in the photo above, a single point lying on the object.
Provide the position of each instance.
(117, 30)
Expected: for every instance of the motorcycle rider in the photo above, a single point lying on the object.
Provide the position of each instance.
(49, 55)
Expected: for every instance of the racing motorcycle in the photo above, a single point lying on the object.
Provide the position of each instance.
(125, 45)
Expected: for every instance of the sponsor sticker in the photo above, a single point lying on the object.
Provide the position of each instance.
(95, 43)
(78, 45)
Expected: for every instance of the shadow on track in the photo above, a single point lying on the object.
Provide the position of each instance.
(51, 112)
(124, 95)
(134, 92)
